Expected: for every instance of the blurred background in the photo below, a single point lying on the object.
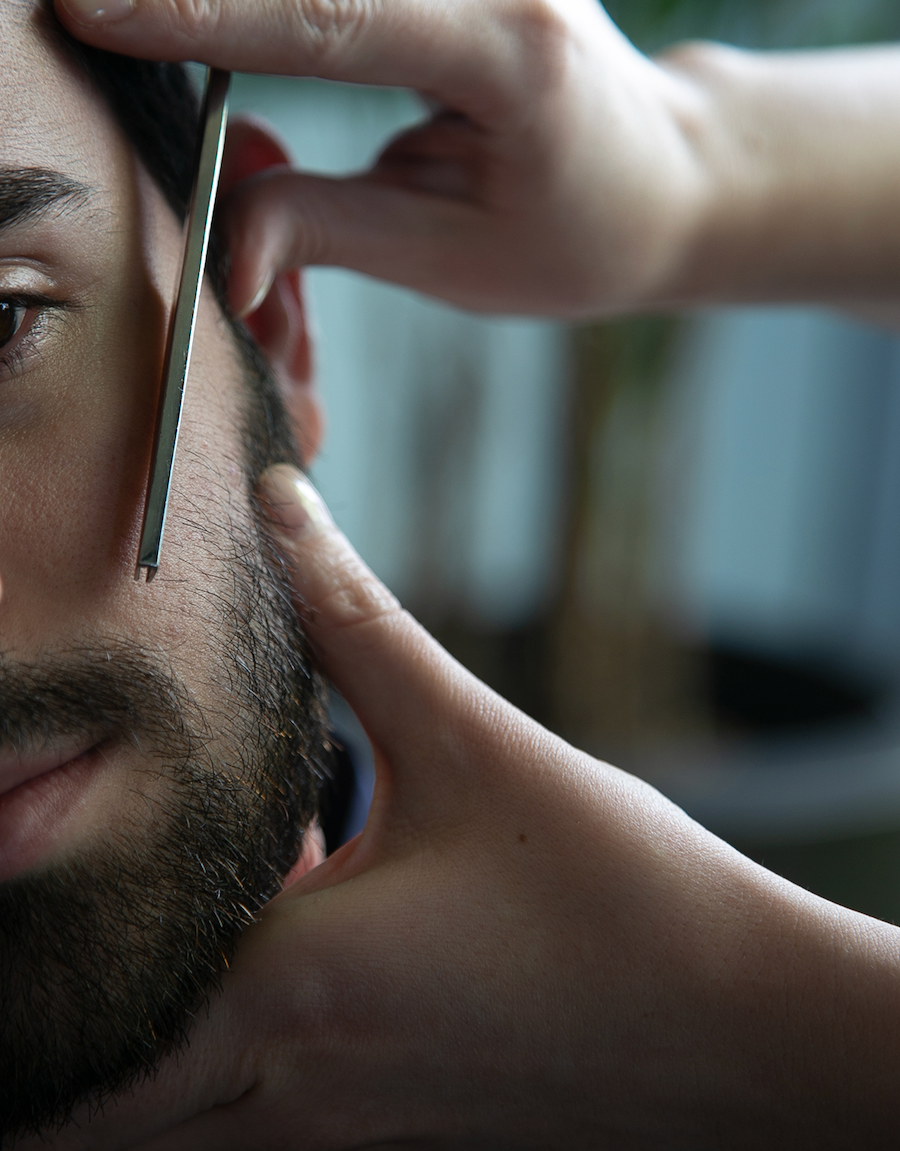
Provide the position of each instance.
(676, 542)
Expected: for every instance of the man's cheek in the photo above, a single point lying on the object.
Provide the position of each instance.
(70, 512)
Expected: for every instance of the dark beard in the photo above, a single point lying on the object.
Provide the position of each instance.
(104, 961)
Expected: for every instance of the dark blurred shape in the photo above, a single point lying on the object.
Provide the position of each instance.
(335, 796)
(754, 693)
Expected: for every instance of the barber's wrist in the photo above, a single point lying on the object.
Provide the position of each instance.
(778, 217)
(711, 181)
(679, 202)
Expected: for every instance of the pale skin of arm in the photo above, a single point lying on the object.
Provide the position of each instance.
(527, 947)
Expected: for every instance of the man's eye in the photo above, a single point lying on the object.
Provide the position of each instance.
(12, 317)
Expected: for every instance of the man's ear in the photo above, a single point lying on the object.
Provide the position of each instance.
(278, 321)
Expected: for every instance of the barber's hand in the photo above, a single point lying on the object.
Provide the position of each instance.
(557, 178)
(525, 948)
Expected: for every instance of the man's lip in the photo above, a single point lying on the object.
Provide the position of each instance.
(21, 767)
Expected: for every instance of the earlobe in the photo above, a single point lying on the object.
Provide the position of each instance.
(276, 318)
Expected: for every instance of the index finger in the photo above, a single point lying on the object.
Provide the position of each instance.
(463, 53)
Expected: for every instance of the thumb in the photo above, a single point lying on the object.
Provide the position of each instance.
(408, 233)
(400, 682)
(335, 589)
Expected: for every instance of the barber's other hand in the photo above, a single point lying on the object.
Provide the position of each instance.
(558, 176)
(525, 948)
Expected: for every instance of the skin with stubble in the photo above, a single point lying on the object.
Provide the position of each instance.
(159, 741)
(526, 947)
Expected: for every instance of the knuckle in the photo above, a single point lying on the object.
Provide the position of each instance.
(279, 211)
(357, 598)
(338, 592)
(540, 21)
(545, 36)
(319, 29)
(311, 244)
(329, 24)
(299, 199)
(194, 18)
(537, 41)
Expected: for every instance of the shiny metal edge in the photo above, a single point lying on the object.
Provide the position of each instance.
(180, 340)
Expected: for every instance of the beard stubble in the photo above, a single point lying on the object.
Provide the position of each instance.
(106, 959)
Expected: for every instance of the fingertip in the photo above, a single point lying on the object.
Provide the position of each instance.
(295, 508)
(245, 299)
(93, 13)
(335, 588)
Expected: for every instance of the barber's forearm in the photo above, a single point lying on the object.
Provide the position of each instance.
(799, 195)
(841, 1001)
(788, 1023)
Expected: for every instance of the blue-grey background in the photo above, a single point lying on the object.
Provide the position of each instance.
(614, 524)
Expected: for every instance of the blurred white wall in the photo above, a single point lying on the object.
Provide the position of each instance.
(443, 459)
(780, 490)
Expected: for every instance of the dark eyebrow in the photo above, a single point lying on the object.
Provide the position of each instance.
(29, 192)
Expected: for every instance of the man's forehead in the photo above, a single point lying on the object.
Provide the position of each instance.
(27, 54)
(48, 111)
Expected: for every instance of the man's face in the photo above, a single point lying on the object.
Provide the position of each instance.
(155, 738)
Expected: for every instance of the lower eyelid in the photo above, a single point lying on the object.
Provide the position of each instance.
(25, 342)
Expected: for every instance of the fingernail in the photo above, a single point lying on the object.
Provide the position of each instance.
(294, 505)
(261, 292)
(98, 11)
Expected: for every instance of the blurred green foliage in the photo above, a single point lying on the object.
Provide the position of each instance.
(757, 23)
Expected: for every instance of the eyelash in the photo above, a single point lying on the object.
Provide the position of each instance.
(12, 359)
